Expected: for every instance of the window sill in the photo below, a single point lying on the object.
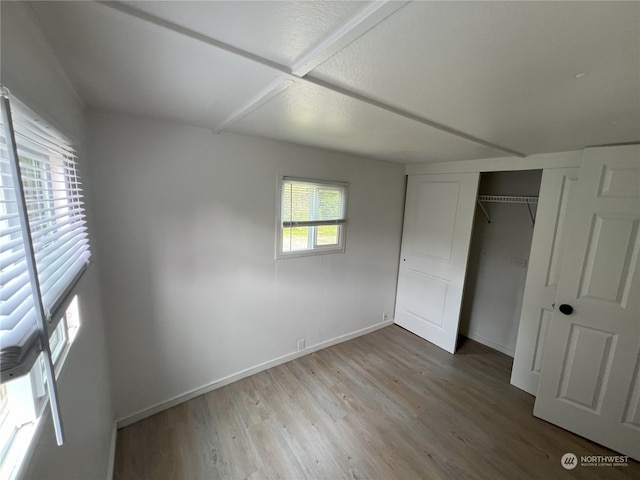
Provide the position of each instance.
(309, 253)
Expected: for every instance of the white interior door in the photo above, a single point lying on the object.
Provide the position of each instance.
(590, 381)
(435, 246)
(549, 237)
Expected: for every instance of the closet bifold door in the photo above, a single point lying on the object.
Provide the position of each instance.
(435, 246)
(549, 237)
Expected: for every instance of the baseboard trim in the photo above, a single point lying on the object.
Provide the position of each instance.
(490, 344)
(112, 451)
(172, 402)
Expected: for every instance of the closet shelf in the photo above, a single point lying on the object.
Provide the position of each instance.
(507, 199)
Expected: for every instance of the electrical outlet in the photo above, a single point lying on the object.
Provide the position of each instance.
(385, 316)
(301, 344)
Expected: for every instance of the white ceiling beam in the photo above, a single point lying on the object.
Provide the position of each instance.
(342, 37)
(502, 164)
(354, 28)
(263, 96)
(409, 115)
(160, 22)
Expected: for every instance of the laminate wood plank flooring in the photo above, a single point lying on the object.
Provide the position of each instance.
(387, 405)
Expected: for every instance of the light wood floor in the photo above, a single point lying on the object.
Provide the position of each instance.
(387, 405)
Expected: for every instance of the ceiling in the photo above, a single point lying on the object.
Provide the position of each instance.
(398, 81)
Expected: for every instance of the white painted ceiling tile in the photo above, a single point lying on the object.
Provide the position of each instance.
(281, 31)
(503, 72)
(122, 64)
(506, 71)
(312, 115)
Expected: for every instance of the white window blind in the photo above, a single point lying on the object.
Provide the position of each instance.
(53, 197)
(313, 216)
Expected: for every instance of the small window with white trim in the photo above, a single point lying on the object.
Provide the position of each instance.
(313, 217)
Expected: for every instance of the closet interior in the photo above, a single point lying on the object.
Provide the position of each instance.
(498, 258)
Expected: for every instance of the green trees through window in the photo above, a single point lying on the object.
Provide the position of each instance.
(313, 216)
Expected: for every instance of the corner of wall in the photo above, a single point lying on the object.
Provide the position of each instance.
(112, 451)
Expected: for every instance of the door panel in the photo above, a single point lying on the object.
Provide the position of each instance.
(435, 246)
(545, 262)
(426, 297)
(586, 366)
(589, 380)
(435, 219)
(608, 269)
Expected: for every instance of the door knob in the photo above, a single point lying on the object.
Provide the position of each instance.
(566, 309)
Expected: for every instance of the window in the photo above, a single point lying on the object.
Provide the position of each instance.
(22, 400)
(53, 199)
(313, 217)
(44, 250)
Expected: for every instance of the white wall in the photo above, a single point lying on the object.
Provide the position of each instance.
(30, 71)
(495, 283)
(187, 237)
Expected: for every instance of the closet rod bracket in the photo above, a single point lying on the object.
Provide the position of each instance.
(484, 210)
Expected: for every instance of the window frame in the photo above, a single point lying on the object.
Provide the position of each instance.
(57, 166)
(315, 249)
(30, 384)
(31, 395)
